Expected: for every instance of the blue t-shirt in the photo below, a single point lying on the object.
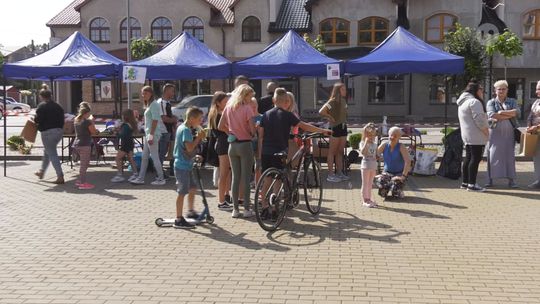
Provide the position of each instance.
(277, 125)
(182, 160)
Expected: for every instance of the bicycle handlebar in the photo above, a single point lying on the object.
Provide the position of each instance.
(305, 136)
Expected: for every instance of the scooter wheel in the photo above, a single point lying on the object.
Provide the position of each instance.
(159, 222)
(210, 219)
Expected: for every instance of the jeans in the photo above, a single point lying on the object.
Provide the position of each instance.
(473, 156)
(536, 161)
(50, 139)
(164, 141)
(241, 157)
(150, 151)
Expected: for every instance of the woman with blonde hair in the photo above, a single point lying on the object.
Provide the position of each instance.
(335, 111)
(84, 129)
(502, 110)
(238, 122)
(152, 116)
(219, 141)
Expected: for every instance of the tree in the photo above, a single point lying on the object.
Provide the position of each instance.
(507, 44)
(317, 44)
(143, 47)
(465, 42)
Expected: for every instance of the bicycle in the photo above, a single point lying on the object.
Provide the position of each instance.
(279, 189)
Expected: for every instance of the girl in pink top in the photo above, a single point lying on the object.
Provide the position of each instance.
(238, 122)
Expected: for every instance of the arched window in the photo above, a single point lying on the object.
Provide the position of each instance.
(99, 30)
(335, 31)
(162, 29)
(372, 30)
(251, 29)
(135, 27)
(531, 25)
(439, 25)
(195, 27)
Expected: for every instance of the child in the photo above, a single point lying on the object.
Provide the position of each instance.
(368, 150)
(278, 121)
(126, 145)
(84, 129)
(184, 148)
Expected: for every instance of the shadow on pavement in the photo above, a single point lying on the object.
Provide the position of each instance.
(218, 233)
(336, 226)
(13, 164)
(424, 201)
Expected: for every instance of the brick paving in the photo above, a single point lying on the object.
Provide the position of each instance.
(438, 245)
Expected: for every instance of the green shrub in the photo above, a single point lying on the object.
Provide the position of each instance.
(355, 139)
(15, 141)
(448, 131)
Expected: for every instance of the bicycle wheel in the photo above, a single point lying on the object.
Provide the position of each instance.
(313, 188)
(271, 199)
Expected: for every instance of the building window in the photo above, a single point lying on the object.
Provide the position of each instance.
(135, 28)
(437, 90)
(335, 31)
(531, 25)
(162, 29)
(195, 27)
(386, 90)
(251, 29)
(372, 30)
(99, 30)
(437, 26)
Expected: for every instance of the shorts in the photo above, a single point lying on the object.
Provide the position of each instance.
(222, 146)
(184, 181)
(271, 161)
(339, 130)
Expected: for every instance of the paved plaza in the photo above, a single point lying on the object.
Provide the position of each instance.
(438, 245)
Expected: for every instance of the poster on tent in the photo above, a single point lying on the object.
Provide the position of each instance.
(133, 74)
(332, 71)
(106, 90)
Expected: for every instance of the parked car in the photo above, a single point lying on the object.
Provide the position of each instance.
(12, 104)
(201, 101)
(1, 110)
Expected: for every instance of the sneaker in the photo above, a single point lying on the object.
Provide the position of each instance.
(39, 174)
(235, 213)
(224, 206)
(513, 185)
(463, 186)
(333, 178)
(117, 179)
(475, 188)
(535, 185)
(158, 182)
(373, 204)
(181, 223)
(192, 215)
(367, 204)
(228, 199)
(343, 177)
(137, 181)
(133, 177)
(86, 186)
(248, 213)
(59, 180)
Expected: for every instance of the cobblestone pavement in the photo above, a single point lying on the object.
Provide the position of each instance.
(438, 245)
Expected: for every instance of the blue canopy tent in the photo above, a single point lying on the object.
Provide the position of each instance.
(75, 58)
(185, 57)
(403, 53)
(290, 56)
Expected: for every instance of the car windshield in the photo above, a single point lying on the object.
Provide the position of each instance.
(201, 101)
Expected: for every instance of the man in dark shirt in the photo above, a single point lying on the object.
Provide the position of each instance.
(50, 122)
(266, 103)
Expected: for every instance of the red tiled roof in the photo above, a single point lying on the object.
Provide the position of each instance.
(226, 14)
(68, 16)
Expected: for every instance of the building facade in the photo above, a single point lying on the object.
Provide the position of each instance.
(242, 28)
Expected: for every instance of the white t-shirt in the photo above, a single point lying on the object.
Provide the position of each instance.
(162, 111)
